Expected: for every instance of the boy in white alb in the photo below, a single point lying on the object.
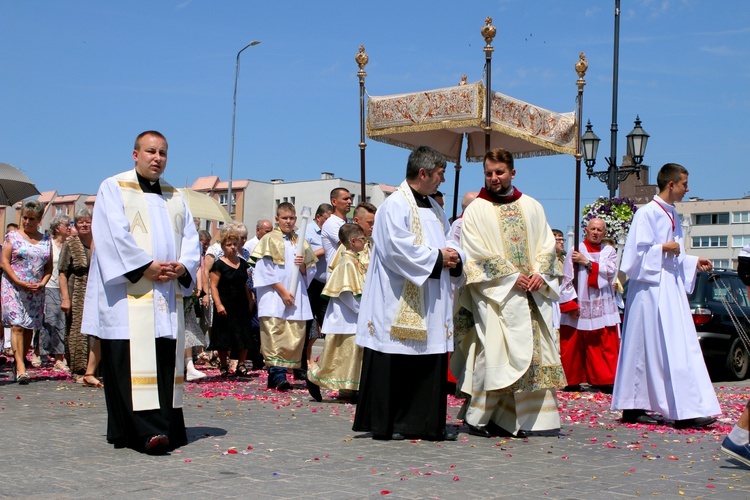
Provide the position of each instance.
(282, 315)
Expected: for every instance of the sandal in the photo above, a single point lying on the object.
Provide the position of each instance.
(241, 371)
(224, 371)
(98, 384)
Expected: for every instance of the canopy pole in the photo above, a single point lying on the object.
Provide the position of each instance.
(581, 67)
(458, 177)
(488, 32)
(362, 59)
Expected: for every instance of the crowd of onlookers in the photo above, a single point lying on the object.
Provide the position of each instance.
(43, 287)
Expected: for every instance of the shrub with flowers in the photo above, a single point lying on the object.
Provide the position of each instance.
(617, 213)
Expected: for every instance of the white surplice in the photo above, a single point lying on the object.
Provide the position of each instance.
(105, 312)
(597, 303)
(394, 259)
(267, 273)
(661, 366)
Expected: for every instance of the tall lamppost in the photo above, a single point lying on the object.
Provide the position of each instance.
(234, 116)
(637, 139)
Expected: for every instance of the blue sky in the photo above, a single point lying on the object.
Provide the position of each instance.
(81, 78)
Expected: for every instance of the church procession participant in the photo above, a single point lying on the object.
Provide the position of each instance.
(282, 315)
(508, 362)
(405, 323)
(661, 366)
(589, 332)
(144, 260)
(340, 363)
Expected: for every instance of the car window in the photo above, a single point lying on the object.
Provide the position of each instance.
(740, 292)
(721, 289)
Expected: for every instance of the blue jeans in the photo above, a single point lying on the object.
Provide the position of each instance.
(276, 375)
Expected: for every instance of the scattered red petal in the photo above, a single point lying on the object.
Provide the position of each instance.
(232, 451)
(249, 447)
(385, 492)
(455, 478)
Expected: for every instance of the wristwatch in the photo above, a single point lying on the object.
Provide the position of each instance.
(588, 266)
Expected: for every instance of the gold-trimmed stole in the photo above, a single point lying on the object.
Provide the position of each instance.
(140, 295)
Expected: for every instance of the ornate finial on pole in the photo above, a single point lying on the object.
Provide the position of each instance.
(463, 80)
(488, 32)
(581, 67)
(362, 60)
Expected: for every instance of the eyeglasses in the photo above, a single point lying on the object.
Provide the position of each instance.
(560, 239)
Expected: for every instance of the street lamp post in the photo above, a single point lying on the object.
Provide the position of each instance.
(234, 116)
(637, 139)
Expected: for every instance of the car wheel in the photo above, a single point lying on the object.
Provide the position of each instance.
(738, 359)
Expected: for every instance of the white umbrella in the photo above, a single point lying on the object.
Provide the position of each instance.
(14, 185)
(203, 206)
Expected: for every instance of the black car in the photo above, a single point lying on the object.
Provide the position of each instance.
(721, 344)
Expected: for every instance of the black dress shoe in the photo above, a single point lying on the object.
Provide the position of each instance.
(637, 417)
(478, 431)
(314, 390)
(397, 436)
(694, 423)
(497, 431)
(156, 444)
(572, 388)
(283, 386)
(299, 374)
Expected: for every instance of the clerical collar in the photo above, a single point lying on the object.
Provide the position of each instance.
(511, 195)
(147, 186)
(422, 200)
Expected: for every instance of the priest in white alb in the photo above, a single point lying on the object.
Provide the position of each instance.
(145, 257)
(405, 319)
(661, 366)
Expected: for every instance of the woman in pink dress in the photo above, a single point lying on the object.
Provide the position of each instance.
(27, 267)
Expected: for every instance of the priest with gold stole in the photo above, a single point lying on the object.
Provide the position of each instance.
(146, 254)
(507, 360)
(405, 320)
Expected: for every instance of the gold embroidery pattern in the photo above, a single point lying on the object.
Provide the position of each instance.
(494, 267)
(513, 230)
(138, 222)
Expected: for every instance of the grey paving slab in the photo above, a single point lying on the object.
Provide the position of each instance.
(289, 447)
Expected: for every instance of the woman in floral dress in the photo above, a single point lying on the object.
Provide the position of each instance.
(27, 267)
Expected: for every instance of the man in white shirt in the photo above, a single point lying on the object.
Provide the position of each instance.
(263, 227)
(341, 200)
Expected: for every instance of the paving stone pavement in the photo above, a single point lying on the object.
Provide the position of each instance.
(247, 441)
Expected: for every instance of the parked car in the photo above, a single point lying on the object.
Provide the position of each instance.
(715, 291)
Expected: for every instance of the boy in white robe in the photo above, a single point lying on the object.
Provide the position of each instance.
(282, 315)
(661, 366)
(341, 361)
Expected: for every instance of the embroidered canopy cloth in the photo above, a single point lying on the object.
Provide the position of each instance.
(439, 119)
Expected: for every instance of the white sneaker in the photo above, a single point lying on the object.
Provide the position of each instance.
(193, 375)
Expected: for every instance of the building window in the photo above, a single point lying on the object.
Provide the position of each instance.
(721, 263)
(709, 219)
(278, 202)
(709, 241)
(58, 210)
(740, 240)
(223, 199)
(292, 200)
(741, 217)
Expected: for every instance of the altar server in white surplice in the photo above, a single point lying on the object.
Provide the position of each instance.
(145, 257)
(405, 319)
(661, 366)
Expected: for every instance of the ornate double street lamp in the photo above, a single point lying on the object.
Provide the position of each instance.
(234, 116)
(637, 139)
